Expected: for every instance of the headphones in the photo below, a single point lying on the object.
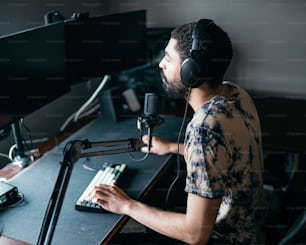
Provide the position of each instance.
(196, 67)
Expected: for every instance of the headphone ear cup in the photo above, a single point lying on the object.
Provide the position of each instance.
(195, 69)
(189, 72)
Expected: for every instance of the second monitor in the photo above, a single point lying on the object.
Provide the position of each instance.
(105, 44)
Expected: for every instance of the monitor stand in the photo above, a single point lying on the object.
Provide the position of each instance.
(21, 156)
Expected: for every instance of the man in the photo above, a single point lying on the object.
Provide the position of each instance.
(222, 147)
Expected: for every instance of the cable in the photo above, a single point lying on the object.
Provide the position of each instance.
(84, 114)
(19, 200)
(139, 159)
(75, 116)
(106, 78)
(28, 145)
(178, 151)
(11, 151)
(14, 203)
(87, 167)
(33, 151)
(90, 111)
(68, 120)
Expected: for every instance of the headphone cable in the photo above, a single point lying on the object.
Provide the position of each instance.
(178, 150)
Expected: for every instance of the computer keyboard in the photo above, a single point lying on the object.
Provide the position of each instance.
(111, 173)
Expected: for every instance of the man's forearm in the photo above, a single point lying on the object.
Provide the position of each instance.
(167, 223)
(176, 148)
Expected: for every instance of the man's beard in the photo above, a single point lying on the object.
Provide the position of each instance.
(175, 88)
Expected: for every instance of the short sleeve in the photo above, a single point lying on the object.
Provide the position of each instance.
(207, 163)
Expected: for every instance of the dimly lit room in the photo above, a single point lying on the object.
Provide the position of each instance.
(152, 122)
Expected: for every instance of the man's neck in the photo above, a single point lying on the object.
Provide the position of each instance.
(202, 94)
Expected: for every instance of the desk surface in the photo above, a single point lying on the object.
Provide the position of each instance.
(75, 227)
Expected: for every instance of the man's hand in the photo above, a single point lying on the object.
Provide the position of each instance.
(161, 146)
(110, 197)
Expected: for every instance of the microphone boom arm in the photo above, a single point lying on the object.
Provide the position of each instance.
(76, 149)
(73, 151)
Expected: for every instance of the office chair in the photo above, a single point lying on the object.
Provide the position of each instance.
(286, 224)
(295, 230)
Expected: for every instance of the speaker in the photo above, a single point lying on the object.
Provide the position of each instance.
(196, 67)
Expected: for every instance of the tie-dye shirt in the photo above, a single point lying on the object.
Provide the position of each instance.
(223, 153)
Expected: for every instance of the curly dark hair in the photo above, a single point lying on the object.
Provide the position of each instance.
(217, 42)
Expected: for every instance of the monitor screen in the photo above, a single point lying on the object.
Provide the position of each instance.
(32, 70)
(105, 44)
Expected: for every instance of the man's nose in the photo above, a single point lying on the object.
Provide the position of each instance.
(161, 63)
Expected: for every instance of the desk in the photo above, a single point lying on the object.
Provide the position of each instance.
(75, 227)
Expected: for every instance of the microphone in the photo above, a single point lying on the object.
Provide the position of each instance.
(153, 105)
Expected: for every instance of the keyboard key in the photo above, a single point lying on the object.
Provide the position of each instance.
(111, 173)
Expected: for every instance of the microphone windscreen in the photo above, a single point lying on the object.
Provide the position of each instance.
(154, 104)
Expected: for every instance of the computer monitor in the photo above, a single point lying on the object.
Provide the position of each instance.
(32, 71)
(105, 44)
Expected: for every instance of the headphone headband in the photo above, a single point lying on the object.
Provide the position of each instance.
(195, 68)
(199, 33)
